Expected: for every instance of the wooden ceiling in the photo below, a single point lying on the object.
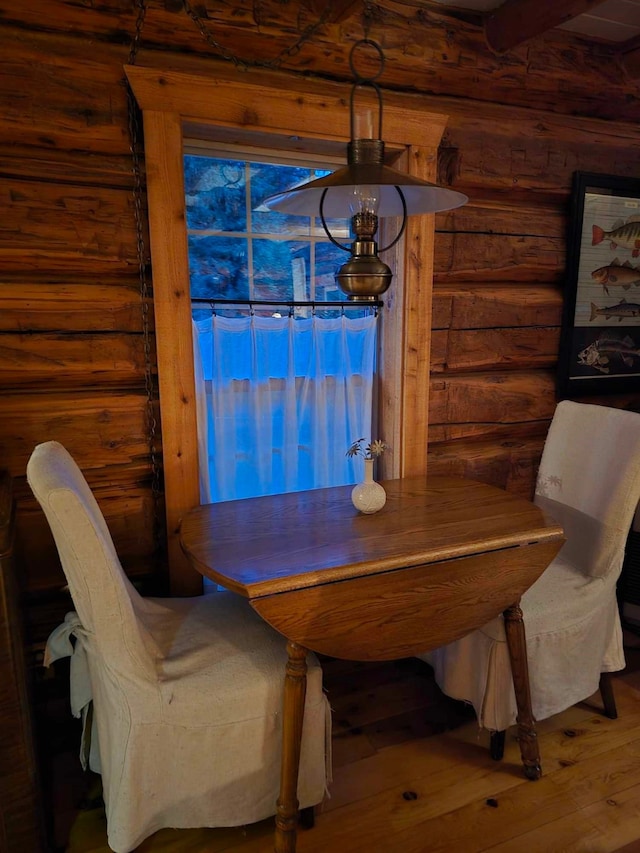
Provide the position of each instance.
(509, 23)
(615, 24)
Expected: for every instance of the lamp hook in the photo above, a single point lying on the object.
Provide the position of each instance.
(360, 81)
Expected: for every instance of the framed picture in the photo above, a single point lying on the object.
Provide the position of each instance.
(600, 341)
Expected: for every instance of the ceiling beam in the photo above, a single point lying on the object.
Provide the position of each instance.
(516, 21)
(630, 61)
(339, 10)
(629, 57)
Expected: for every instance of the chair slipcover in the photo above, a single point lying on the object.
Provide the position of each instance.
(187, 692)
(589, 482)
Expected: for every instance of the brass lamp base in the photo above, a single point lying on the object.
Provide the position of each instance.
(364, 277)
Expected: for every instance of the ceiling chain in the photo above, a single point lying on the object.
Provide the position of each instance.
(287, 52)
(133, 115)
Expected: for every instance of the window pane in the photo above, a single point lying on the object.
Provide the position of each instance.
(267, 179)
(218, 267)
(329, 259)
(215, 192)
(281, 269)
(340, 229)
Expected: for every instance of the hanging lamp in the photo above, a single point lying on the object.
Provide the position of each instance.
(364, 190)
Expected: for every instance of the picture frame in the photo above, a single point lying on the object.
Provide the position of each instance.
(600, 336)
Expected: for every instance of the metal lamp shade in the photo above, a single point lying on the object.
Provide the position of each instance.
(420, 196)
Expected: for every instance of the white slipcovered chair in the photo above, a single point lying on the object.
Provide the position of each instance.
(187, 693)
(588, 481)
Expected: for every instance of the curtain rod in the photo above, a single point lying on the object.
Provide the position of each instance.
(248, 303)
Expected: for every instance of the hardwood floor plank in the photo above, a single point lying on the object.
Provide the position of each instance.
(562, 742)
(600, 828)
(405, 765)
(349, 747)
(380, 702)
(605, 790)
(563, 739)
(605, 775)
(390, 823)
(618, 817)
(632, 847)
(566, 835)
(394, 792)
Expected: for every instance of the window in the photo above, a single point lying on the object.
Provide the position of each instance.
(285, 385)
(299, 114)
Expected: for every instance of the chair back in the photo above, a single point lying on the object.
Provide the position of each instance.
(103, 597)
(589, 481)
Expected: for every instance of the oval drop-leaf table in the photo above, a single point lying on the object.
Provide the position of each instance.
(443, 557)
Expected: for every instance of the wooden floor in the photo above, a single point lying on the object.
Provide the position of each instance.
(412, 773)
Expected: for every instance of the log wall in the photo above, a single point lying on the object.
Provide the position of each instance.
(72, 363)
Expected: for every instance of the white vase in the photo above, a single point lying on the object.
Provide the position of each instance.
(368, 496)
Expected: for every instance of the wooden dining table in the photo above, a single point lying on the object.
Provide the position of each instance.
(443, 556)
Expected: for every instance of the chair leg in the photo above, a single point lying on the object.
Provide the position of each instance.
(307, 817)
(497, 745)
(608, 699)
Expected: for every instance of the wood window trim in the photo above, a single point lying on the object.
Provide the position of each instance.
(282, 110)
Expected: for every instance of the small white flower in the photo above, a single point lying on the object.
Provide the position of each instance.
(376, 448)
(373, 449)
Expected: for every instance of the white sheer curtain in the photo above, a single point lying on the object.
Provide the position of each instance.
(280, 401)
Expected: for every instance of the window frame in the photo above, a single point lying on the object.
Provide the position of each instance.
(282, 111)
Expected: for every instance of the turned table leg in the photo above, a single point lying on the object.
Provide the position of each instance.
(295, 688)
(517, 644)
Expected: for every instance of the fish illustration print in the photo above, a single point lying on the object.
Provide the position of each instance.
(627, 235)
(622, 310)
(615, 273)
(598, 355)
